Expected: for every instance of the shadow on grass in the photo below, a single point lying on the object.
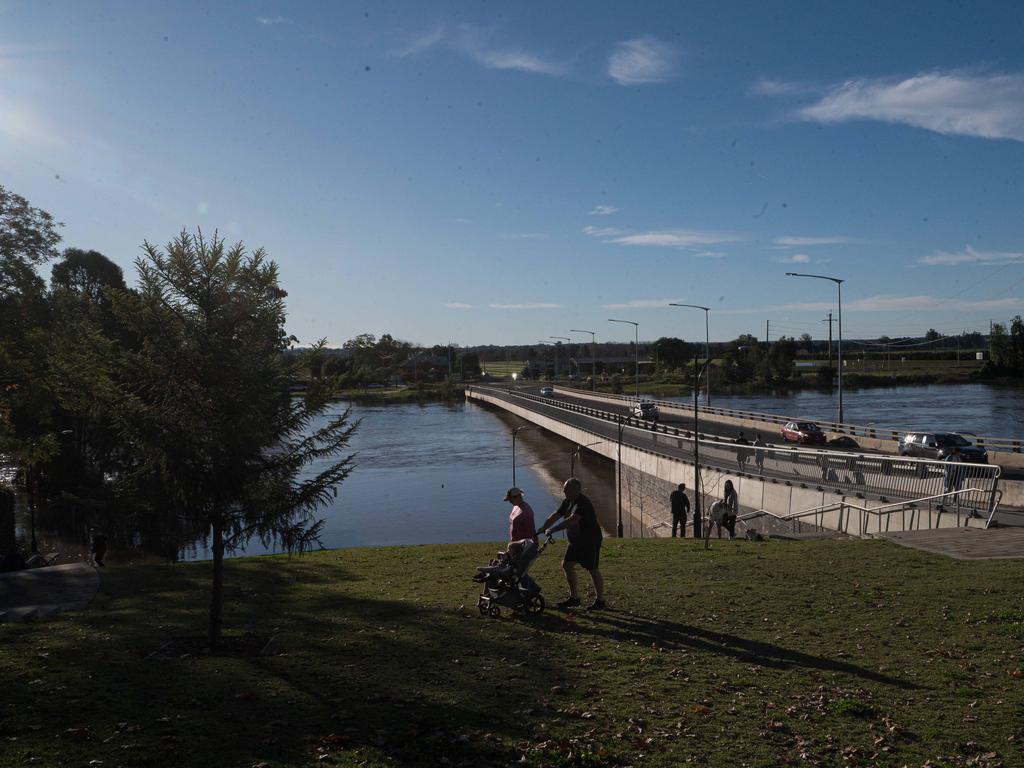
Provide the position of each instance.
(351, 673)
(673, 635)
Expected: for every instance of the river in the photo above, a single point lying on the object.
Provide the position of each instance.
(437, 473)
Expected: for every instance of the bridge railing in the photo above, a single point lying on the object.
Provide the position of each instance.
(851, 474)
(856, 520)
(1006, 444)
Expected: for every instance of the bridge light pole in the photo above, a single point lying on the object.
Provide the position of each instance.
(593, 359)
(707, 344)
(636, 350)
(516, 431)
(839, 288)
(557, 344)
(618, 466)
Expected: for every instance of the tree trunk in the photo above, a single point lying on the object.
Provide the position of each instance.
(217, 594)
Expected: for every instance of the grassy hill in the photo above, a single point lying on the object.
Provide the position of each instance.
(750, 654)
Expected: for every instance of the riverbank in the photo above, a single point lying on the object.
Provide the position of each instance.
(811, 653)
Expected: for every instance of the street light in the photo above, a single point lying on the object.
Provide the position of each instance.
(636, 351)
(839, 288)
(593, 359)
(707, 345)
(516, 431)
(575, 454)
(563, 338)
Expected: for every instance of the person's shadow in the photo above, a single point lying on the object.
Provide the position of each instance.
(672, 635)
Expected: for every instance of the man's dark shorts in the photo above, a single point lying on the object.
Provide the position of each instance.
(586, 553)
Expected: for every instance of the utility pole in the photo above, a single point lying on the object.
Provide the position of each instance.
(829, 321)
(767, 333)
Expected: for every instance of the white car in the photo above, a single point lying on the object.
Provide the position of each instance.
(645, 410)
(547, 391)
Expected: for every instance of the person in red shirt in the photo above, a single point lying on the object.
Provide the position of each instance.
(520, 522)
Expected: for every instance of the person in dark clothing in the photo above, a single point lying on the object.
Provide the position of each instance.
(579, 521)
(680, 509)
(99, 548)
(742, 452)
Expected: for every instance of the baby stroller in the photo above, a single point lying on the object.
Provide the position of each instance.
(506, 583)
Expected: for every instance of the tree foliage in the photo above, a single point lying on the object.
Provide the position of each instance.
(204, 401)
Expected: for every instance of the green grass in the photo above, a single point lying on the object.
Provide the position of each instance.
(773, 654)
(502, 368)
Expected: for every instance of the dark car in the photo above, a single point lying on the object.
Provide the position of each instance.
(645, 410)
(806, 432)
(938, 445)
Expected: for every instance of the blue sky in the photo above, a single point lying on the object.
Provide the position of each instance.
(502, 173)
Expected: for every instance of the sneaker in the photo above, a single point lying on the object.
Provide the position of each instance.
(597, 605)
(570, 602)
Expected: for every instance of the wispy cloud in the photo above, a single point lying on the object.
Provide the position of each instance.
(641, 304)
(642, 60)
(462, 220)
(475, 43)
(272, 21)
(803, 242)
(958, 103)
(529, 305)
(796, 258)
(603, 210)
(971, 256)
(710, 254)
(524, 236)
(893, 303)
(769, 87)
(602, 231)
(458, 305)
(675, 238)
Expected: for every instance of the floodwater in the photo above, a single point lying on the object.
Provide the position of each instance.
(437, 473)
(979, 409)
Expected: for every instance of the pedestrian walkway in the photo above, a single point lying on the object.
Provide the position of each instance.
(40, 592)
(965, 543)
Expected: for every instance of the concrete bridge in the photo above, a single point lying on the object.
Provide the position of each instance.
(854, 493)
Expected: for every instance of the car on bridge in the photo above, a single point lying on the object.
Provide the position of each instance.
(938, 445)
(806, 432)
(646, 410)
(547, 391)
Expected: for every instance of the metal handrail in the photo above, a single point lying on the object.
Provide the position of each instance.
(1007, 444)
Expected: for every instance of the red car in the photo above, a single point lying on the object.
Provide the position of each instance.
(806, 432)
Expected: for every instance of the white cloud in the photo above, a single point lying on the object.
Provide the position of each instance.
(458, 305)
(475, 43)
(423, 42)
(959, 103)
(971, 256)
(641, 60)
(796, 258)
(710, 254)
(795, 241)
(532, 305)
(603, 210)
(892, 303)
(462, 220)
(641, 304)
(676, 238)
(271, 21)
(524, 236)
(602, 231)
(768, 87)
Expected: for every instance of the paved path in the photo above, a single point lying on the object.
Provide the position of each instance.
(41, 592)
(965, 543)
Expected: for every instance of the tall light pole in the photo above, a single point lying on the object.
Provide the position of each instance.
(593, 359)
(707, 347)
(516, 431)
(839, 288)
(636, 350)
(562, 338)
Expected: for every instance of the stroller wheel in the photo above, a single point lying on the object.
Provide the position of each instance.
(495, 611)
(535, 604)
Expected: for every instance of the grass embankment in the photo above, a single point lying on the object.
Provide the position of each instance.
(771, 654)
